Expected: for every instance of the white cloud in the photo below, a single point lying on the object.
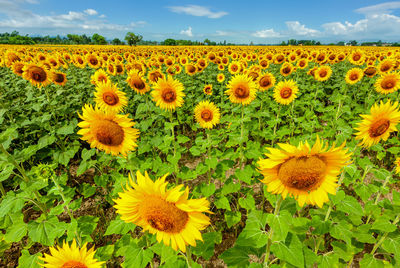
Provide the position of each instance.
(91, 12)
(198, 11)
(296, 28)
(383, 8)
(187, 32)
(102, 16)
(222, 33)
(268, 33)
(72, 15)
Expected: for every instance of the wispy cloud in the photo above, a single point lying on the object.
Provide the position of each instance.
(268, 33)
(385, 8)
(91, 12)
(198, 11)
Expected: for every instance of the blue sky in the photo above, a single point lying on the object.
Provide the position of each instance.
(234, 21)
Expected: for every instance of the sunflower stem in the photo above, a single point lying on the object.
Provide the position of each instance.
(209, 156)
(189, 257)
(276, 123)
(241, 139)
(383, 237)
(21, 170)
(271, 231)
(174, 143)
(3, 192)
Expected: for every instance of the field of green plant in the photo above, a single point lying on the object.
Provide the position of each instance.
(58, 188)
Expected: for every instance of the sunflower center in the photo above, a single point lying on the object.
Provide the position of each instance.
(241, 92)
(286, 70)
(323, 73)
(168, 95)
(191, 69)
(286, 92)
(93, 61)
(370, 71)
(265, 81)
(208, 90)
(110, 98)
(154, 76)
(385, 68)
(302, 64)
(387, 84)
(38, 74)
(353, 77)
(59, 78)
(139, 84)
(73, 264)
(80, 61)
(102, 79)
(110, 133)
(302, 173)
(119, 69)
(165, 216)
(379, 128)
(234, 68)
(253, 75)
(356, 57)
(207, 115)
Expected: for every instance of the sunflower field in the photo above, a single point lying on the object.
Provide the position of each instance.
(208, 156)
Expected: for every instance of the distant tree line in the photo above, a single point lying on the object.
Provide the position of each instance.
(135, 39)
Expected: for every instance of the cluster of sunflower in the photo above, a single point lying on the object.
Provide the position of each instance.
(308, 173)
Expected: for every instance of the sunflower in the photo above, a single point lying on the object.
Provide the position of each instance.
(136, 81)
(37, 74)
(99, 76)
(79, 61)
(109, 98)
(357, 57)
(175, 219)
(59, 78)
(397, 163)
(234, 67)
(303, 63)
(307, 173)
(385, 66)
(111, 68)
(168, 93)
(71, 256)
(208, 89)
(17, 68)
(190, 69)
(354, 75)
(286, 69)
(154, 75)
(266, 81)
(285, 92)
(220, 77)
(109, 132)
(388, 83)
(241, 89)
(370, 71)
(93, 61)
(207, 114)
(323, 73)
(378, 125)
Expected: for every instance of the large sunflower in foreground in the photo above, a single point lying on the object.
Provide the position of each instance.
(175, 219)
(241, 89)
(354, 75)
(136, 81)
(71, 257)
(306, 173)
(388, 83)
(207, 114)
(109, 132)
(285, 92)
(37, 74)
(378, 125)
(168, 93)
(109, 98)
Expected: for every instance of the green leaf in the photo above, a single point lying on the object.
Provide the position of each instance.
(369, 261)
(292, 254)
(205, 248)
(342, 230)
(236, 257)
(383, 224)
(11, 204)
(320, 227)
(230, 187)
(7, 136)
(16, 232)
(254, 234)
(232, 218)
(46, 231)
(392, 244)
(207, 189)
(118, 226)
(66, 130)
(244, 174)
(29, 261)
(279, 224)
(137, 256)
(223, 203)
(248, 203)
(104, 253)
(351, 206)
(86, 226)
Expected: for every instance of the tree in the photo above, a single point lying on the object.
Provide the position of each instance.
(133, 39)
(353, 42)
(116, 41)
(98, 39)
(207, 41)
(169, 42)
